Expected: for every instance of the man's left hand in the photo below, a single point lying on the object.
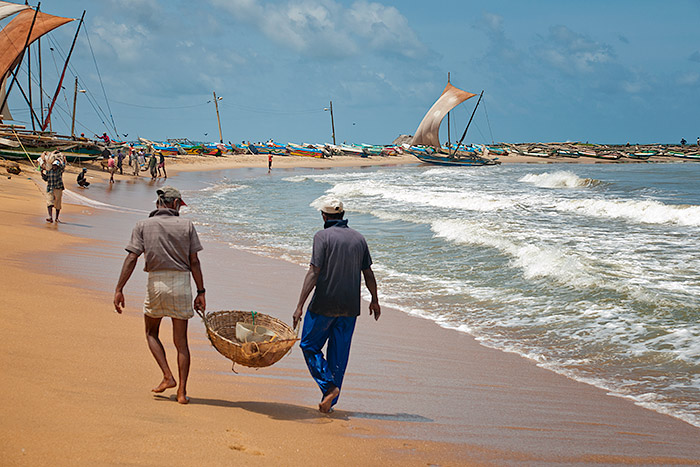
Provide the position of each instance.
(375, 309)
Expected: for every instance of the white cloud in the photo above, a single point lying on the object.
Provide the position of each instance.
(325, 28)
(126, 41)
(572, 52)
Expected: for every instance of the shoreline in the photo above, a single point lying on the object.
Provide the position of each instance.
(494, 407)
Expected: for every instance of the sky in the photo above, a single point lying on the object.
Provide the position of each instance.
(597, 71)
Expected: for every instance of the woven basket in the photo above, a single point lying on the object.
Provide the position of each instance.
(221, 330)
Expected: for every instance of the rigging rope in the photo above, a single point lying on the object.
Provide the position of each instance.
(489, 123)
(101, 83)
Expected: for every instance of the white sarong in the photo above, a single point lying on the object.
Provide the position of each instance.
(169, 294)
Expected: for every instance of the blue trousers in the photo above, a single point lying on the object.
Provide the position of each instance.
(337, 331)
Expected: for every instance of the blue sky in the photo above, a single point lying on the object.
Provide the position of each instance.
(598, 71)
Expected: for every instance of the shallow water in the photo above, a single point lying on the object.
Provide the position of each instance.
(590, 270)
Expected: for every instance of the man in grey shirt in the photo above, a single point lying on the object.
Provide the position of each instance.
(340, 255)
(170, 245)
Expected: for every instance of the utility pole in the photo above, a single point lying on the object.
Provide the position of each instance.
(332, 122)
(75, 100)
(218, 119)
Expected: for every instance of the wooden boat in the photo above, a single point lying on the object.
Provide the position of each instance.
(305, 151)
(685, 155)
(425, 144)
(642, 155)
(28, 26)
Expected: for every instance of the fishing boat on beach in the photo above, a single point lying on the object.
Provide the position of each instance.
(16, 140)
(426, 142)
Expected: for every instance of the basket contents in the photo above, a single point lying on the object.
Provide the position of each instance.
(246, 332)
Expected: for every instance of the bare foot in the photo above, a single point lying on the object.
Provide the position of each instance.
(182, 398)
(165, 384)
(326, 403)
(58, 222)
(48, 219)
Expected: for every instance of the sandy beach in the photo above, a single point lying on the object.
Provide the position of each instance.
(77, 376)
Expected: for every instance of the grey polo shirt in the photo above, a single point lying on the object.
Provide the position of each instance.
(167, 240)
(341, 254)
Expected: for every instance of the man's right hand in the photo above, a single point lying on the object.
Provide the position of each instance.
(118, 301)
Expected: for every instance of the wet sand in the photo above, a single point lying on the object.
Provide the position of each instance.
(77, 376)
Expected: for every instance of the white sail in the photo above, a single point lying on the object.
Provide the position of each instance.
(8, 9)
(5, 111)
(428, 132)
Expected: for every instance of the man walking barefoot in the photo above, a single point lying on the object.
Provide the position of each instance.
(54, 188)
(339, 256)
(170, 245)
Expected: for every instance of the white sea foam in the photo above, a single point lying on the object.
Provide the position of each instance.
(559, 179)
(641, 211)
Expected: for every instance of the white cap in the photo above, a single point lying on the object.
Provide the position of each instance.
(332, 206)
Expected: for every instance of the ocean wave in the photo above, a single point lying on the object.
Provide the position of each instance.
(416, 196)
(559, 179)
(641, 211)
(219, 188)
(534, 260)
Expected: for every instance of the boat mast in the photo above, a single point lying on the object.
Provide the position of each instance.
(29, 81)
(41, 85)
(470, 122)
(63, 74)
(448, 119)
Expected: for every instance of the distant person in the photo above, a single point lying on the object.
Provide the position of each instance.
(54, 188)
(120, 161)
(339, 257)
(112, 167)
(170, 245)
(82, 182)
(269, 163)
(153, 166)
(134, 162)
(683, 141)
(161, 164)
(105, 138)
(698, 140)
(82, 137)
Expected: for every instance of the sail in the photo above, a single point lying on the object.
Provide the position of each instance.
(428, 132)
(14, 36)
(8, 9)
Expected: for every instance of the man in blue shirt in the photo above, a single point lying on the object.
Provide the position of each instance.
(340, 255)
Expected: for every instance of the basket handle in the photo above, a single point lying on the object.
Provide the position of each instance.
(204, 318)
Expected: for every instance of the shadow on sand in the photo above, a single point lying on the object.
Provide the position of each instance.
(290, 412)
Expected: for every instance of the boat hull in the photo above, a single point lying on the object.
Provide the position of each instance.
(454, 161)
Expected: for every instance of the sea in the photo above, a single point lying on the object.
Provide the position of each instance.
(589, 270)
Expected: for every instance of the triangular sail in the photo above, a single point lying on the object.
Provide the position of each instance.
(8, 9)
(428, 132)
(14, 36)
